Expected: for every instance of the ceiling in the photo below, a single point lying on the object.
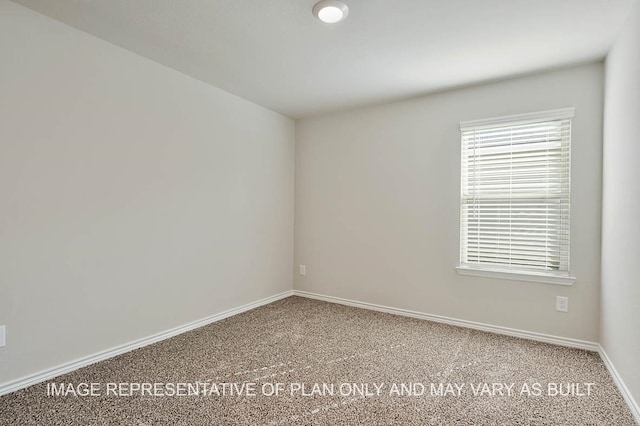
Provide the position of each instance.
(277, 54)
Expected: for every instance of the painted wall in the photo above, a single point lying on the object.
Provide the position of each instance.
(377, 205)
(620, 330)
(134, 198)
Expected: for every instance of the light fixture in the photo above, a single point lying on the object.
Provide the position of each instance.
(330, 11)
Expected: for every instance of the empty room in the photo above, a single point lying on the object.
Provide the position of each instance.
(274, 212)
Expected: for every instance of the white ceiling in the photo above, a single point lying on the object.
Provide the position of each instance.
(277, 54)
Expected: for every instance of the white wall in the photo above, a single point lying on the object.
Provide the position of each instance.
(377, 205)
(620, 329)
(133, 198)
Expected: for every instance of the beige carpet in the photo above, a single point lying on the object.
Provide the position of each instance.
(296, 342)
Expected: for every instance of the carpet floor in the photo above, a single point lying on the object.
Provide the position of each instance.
(300, 361)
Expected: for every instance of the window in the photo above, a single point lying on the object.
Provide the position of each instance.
(515, 197)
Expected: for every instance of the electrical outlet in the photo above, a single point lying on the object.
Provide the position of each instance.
(3, 337)
(562, 304)
(303, 269)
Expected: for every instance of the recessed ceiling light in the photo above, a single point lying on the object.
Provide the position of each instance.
(330, 11)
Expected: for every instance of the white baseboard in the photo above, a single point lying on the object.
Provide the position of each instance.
(556, 340)
(624, 391)
(68, 367)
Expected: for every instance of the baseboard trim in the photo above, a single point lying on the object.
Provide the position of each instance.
(68, 367)
(546, 338)
(624, 391)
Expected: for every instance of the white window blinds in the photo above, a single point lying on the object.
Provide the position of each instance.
(516, 182)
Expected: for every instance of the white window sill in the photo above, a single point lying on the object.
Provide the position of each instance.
(518, 276)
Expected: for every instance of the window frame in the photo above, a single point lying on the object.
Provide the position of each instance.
(493, 271)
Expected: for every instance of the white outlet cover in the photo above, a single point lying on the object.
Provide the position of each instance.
(562, 304)
(3, 340)
(303, 270)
